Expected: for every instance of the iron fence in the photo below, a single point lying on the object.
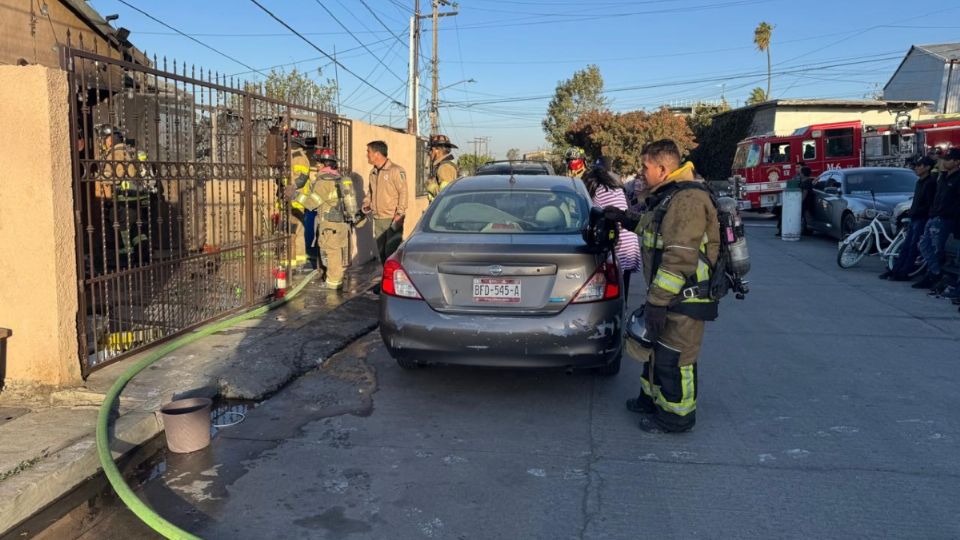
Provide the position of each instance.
(178, 196)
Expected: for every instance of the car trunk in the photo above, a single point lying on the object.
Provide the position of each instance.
(515, 274)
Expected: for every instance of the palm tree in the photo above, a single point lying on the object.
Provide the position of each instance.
(761, 38)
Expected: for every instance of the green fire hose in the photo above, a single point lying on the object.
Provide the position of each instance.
(129, 498)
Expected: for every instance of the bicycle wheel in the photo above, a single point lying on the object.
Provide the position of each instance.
(855, 248)
(920, 266)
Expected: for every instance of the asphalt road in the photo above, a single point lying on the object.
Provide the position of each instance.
(827, 409)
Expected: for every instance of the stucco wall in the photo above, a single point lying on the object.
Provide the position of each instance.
(38, 272)
(784, 120)
(402, 149)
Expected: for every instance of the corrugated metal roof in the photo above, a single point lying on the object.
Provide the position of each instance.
(947, 51)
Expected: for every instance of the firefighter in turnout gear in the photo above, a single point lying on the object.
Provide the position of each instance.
(680, 238)
(300, 166)
(322, 192)
(125, 196)
(443, 168)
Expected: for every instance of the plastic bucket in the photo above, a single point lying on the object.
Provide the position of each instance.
(186, 423)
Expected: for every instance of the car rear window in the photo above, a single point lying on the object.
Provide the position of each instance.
(891, 181)
(510, 212)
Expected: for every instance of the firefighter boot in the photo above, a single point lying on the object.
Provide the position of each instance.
(641, 404)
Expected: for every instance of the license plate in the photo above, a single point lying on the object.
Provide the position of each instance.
(770, 200)
(496, 290)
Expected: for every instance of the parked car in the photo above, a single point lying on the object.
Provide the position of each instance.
(845, 200)
(498, 273)
(515, 167)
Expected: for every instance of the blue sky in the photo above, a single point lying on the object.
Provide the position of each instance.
(650, 52)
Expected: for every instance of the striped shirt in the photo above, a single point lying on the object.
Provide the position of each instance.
(628, 246)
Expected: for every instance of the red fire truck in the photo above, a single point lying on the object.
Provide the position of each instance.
(763, 164)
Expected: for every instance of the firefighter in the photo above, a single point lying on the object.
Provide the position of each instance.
(680, 244)
(124, 196)
(323, 193)
(443, 168)
(576, 162)
(300, 166)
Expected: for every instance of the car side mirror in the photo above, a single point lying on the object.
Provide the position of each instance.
(832, 190)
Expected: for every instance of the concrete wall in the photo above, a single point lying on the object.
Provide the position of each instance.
(922, 76)
(38, 270)
(402, 148)
(784, 120)
(35, 42)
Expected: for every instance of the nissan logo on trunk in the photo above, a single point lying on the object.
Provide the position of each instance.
(495, 270)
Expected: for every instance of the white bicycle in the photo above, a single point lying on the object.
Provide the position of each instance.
(869, 240)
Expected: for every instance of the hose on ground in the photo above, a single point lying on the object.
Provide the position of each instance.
(110, 469)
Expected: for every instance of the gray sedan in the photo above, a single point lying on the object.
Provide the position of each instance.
(497, 273)
(845, 200)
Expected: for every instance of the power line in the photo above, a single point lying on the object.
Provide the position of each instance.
(191, 38)
(387, 28)
(354, 36)
(323, 52)
(312, 59)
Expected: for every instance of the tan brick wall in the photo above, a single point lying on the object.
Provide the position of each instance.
(38, 271)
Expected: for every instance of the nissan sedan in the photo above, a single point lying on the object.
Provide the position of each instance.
(498, 273)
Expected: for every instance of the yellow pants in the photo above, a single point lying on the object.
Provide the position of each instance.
(332, 240)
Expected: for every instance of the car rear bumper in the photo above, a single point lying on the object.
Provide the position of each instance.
(581, 336)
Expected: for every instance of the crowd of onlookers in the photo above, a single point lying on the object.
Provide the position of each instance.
(934, 217)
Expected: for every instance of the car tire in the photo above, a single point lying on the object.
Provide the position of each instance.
(610, 369)
(407, 363)
(848, 225)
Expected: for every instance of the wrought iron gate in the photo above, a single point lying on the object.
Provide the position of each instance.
(178, 195)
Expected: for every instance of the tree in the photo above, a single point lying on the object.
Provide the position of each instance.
(468, 163)
(513, 154)
(299, 88)
(761, 38)
(703, 114)
(580, 94)
(757, 95)
(621, 137)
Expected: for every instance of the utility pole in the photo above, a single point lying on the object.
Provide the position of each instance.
(413, 75)
(434, 97)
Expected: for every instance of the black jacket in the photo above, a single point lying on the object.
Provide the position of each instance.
(923, 196)
(946, 203)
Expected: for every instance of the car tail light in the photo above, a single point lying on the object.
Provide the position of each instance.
(603, 285)
(396, 282)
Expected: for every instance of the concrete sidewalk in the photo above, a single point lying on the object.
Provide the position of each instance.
(47, 443)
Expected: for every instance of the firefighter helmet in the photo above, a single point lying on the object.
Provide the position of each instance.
(574, 152)
(325, 155)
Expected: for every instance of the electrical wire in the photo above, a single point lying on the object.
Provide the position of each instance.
(191, 38)
(312, 44)
(375, 16)
(354, 36)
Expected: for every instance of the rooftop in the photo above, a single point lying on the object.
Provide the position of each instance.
(946, 51)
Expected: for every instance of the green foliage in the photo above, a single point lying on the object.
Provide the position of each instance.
(513, 154)
(468, 163)
(622, 136)
(580, 94)
(757, 95)
(299, 88)
(703, 114)
(717, 143)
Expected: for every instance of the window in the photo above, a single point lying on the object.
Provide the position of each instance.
(893, 181)
(778, 152)
(509, 212)
(839, 142)
(748, 155)
(826, 180)
(809, 150)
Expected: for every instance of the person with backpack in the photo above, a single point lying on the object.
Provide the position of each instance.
(681, 246)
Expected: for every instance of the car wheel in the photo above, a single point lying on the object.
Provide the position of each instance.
(848, 225)
(407, 363)
(610, 369)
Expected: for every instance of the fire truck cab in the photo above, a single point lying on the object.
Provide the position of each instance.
(762, 165)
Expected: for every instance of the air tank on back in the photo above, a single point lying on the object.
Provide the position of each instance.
(732, 229)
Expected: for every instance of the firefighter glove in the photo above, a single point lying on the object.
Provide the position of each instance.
(627, 218)
(655, 320)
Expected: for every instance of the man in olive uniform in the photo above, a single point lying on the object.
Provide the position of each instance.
(321, 193)
(680, 236)
(386, 198)
(443, 168)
